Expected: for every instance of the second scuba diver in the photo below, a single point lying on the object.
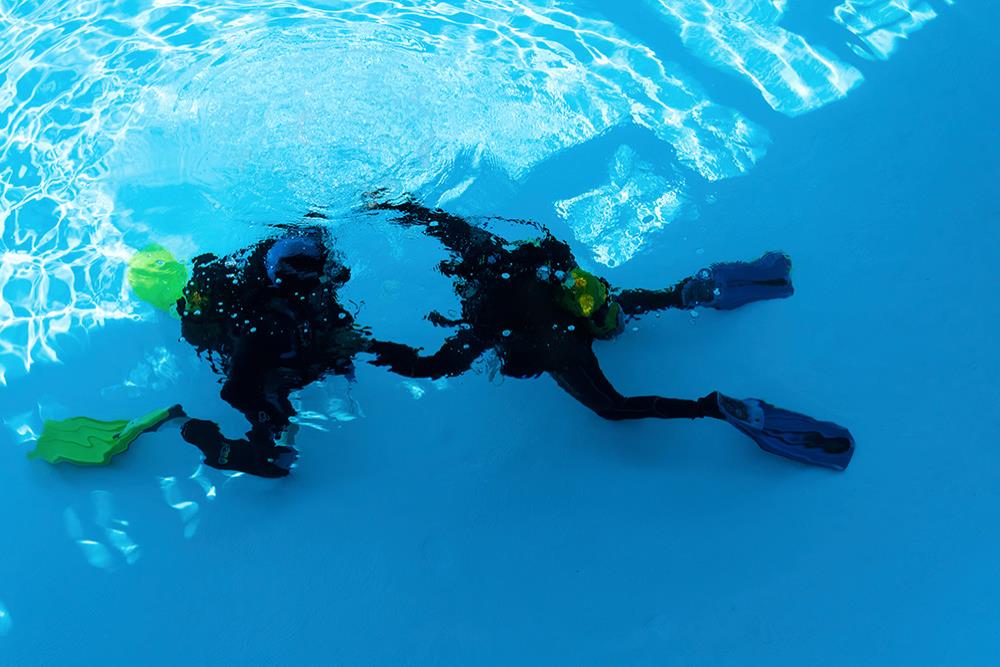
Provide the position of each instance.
(540, 312)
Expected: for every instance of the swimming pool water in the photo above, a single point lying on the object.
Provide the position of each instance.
(480, 521)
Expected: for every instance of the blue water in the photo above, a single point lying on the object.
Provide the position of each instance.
(476, 521)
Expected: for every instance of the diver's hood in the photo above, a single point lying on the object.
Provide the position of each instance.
(295, 260)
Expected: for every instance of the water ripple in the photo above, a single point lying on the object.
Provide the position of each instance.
(253, 106)
(615, 219)
(792, 75)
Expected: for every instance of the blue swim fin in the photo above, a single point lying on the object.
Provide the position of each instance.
(790, 434)
(729, 285)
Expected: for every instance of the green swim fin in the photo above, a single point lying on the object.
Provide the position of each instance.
(89, 441)
(157, 278)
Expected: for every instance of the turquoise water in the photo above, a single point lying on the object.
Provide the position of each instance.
(480, 521)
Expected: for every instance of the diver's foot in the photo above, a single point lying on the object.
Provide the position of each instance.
(176, 412)
(729, 285)
(238, 455)
(284, 458)
(287, 438)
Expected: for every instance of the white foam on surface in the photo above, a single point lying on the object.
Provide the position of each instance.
(744, 36)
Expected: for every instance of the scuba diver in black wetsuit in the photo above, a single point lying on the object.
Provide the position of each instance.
(540, 312)
(269, 321)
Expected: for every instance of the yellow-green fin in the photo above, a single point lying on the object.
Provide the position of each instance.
(89, 441)
(157, 278)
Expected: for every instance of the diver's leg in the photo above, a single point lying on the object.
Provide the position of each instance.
(775, 430)
(260, 394)
(455, 233)
(642, 301)
(722, 286)
(263, 400)
(584, 380)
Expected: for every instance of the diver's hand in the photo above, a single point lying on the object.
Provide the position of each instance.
(391, 354)
(439, 320)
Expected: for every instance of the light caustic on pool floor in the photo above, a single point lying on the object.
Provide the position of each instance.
(880, 25)
(255, 107)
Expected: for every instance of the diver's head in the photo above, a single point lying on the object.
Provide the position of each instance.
(295, 261)
(586, 295)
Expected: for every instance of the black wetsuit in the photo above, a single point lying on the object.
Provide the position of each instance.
(267, 335)
(510, 295)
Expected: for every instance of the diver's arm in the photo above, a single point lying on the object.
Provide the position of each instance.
(454, 358)
(457, 234)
